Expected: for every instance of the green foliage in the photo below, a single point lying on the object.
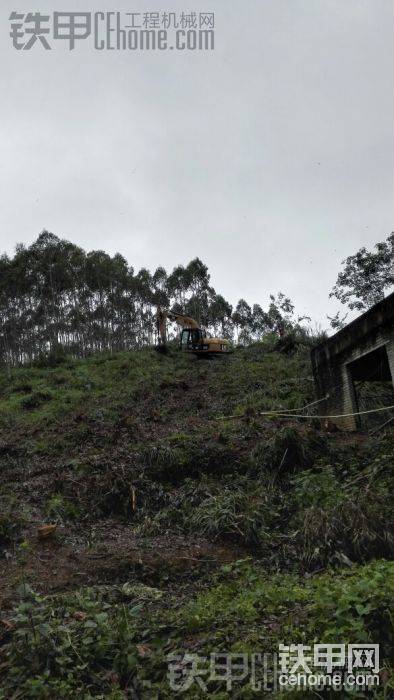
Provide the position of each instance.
(60, 509)
(79, 648)
(58, 302)
(100, 642)
(353, 606)
(56, 356)
(242, 512)
(338, 519)
(22, 387)
(288, 450)
(188, 457)
(12, 520)
(140, 459)
(365, 276)
(35, 400)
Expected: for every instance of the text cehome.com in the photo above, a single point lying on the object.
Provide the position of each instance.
(115, 38)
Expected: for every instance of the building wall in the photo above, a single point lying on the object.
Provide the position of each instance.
(349, 401)
(330, 360)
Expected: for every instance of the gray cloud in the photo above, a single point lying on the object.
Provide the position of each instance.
(271, 157)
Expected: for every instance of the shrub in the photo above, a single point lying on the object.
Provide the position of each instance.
(246, 513)
(36, 399)
(61, 509)
(354, 606)
(288, 450)
(188, 458)
(53, 358)
(336, 518)
(72, 649)
(11, 520)
(22, 388)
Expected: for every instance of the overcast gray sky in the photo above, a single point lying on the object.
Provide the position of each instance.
(271, 157)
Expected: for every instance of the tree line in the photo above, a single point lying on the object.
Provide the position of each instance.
(54, 294)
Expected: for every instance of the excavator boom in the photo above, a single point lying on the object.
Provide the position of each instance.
(192, 337)
(182, 320)
(161, 322)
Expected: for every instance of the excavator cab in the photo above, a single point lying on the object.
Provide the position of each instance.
(191, 339)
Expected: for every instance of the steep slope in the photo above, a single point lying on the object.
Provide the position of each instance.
(185, 520)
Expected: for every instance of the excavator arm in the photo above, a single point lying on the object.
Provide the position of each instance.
(181, 319)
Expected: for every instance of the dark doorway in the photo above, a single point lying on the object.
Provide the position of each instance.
(373, 387)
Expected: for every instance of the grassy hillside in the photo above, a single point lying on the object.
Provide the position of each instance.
(186, 522)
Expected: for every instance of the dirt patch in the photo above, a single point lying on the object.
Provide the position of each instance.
(114, 555)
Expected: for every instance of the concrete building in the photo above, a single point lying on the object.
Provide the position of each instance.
(358, 355)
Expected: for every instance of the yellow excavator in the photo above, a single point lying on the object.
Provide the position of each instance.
(192, 338)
